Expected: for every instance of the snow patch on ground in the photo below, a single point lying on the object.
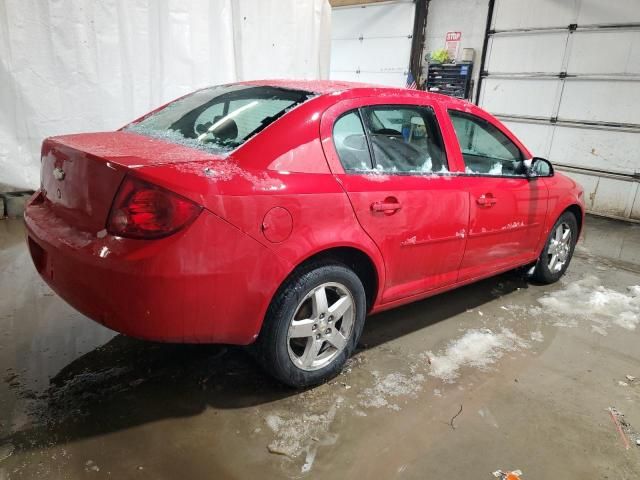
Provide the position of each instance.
(296, 433)
(537, 336)
(476, 348)
(389, 387)
(588, 299)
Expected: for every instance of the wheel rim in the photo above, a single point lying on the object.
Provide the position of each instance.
(559, 248)
(321, 326)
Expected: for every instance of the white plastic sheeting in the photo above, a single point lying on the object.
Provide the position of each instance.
(70, 66)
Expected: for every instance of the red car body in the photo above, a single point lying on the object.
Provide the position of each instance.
(275, 202)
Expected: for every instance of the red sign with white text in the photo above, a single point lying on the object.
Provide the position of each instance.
(452, 44)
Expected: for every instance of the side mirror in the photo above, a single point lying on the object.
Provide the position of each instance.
(539, 167)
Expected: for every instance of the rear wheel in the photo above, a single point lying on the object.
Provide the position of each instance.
(558, 250)
(312, 325)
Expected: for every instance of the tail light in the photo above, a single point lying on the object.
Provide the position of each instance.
(145, 211)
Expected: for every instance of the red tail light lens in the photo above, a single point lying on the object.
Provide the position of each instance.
(145, 211)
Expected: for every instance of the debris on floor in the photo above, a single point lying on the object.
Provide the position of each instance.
(90, 466)
(514, 475)
(623, 427)
(454, 417)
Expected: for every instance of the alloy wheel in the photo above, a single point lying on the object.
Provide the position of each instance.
(321, 326)
(559, 248)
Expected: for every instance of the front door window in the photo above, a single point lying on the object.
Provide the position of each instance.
(485, 149)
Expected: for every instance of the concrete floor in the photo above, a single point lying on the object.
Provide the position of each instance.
(530, 379)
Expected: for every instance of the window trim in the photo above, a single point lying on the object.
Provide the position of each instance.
(482, 120)
(364, 121)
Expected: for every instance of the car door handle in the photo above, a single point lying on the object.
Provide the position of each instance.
(486, 200)
(388, 206)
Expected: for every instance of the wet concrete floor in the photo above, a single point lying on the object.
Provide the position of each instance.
(502, 374)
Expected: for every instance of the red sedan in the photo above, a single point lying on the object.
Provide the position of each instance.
(282, 213)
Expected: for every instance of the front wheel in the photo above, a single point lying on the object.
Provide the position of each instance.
(558, 250)
(312, 325)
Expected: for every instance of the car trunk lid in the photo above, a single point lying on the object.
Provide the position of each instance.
(81, 173)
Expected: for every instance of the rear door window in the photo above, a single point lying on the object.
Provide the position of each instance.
(405, 139)
(401, 139)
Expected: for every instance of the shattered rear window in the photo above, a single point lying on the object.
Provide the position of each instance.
(219, 119)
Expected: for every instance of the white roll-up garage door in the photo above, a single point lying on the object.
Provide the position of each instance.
(565, 77)
(372, 43)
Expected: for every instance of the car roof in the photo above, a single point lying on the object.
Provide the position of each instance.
(313, 86)
(327, 87)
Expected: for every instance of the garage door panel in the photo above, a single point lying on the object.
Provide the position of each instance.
(521, 53)
(535, 136)
(345, 76)
(388, 20)
(616, 51)
(605, 195)
(532, 97)
(601, 101)
(395, 79)
(373, 20)
(512, 14)
(614, 11)
(614, 197)
(588, 182)
(372, 43)
(607, 150)
(385, 54)
(345, 55)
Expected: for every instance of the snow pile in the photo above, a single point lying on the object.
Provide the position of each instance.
(588, 299)
(476, 348)
(390, 386)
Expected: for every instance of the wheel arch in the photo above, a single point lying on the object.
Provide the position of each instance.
(577, 211)
(362, 264)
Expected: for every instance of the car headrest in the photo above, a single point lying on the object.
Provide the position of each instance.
(227, 130)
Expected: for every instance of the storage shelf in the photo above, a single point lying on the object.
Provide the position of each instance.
(450, 79)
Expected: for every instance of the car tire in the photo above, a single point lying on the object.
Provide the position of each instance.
(306, 340)
(558, 250)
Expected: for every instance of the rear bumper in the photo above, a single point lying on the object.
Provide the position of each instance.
(208, 283)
